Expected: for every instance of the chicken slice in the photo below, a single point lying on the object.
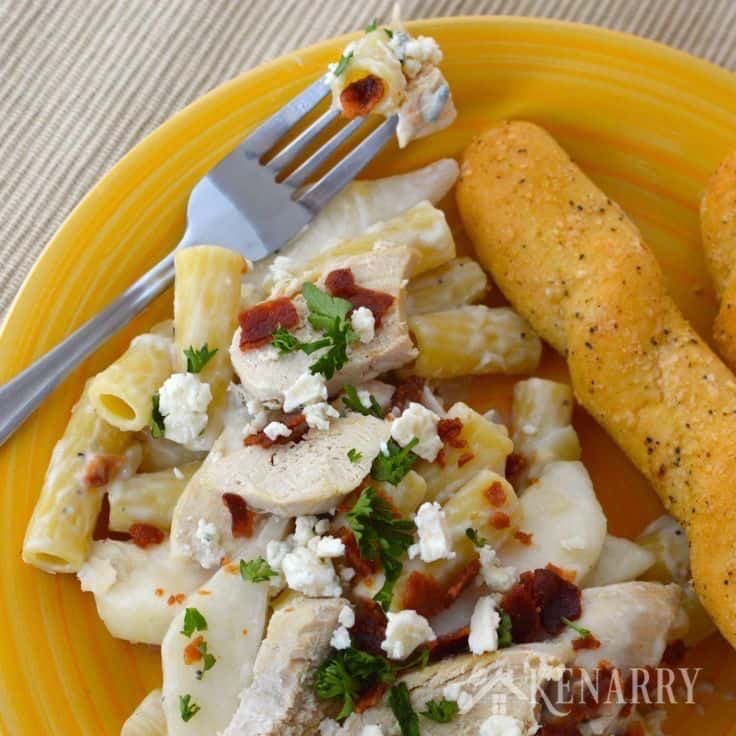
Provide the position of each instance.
(265, 375)
(479, 685)
(280, 700)
(309, 477)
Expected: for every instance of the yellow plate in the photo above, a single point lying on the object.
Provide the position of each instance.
(647, 122)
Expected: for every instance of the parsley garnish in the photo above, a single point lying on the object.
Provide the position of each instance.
(388, 32)
(353, 402)
(394, 466)
(198, 359)
(342, 65)
(442, 712)
(580, 629)
(187, 708)
(504, 631)
(380, 536)
(343, 675)
(398, 700)
(208, 660)
(257, 570)
(193, 621)
(475, 538)
(157, 418)
(285, 342)
(354, 456)
(372, 26)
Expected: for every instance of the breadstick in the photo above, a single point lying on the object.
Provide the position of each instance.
(574, 265)
(718, 226)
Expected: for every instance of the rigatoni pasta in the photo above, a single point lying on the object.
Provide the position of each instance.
(456, 283)
(147, 719)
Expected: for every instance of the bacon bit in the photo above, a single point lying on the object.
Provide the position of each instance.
(523, 537)
(495, 494)
(500, 520)
(159, 592)
(146, 535)
(363, 568)
(260, 322)
(446, 645)
(102, 525)
(407, 392)
(191, 651)
(461, 580)
(204, 592)
(232, 569)
(568, 575)
(295, 422)
(176, 598)
(538, 603)
(360, 97)
(98, 470)
(562, 727)
(465, 458)
(674, 653)
(341, 282)
(515, 464)
(586, 642)
(371, 697)
(242, 518)
(427, 597)
(245, 632)
(369, 629)
(441, 460)
(449, 431)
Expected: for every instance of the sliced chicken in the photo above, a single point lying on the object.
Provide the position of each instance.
(265, 375)
(309, 477)
(478, 684)
(280, 700)
(621, 560)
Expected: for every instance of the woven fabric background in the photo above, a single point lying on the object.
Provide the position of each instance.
(81, 81)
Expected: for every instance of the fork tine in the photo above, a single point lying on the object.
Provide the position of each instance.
(289, 153)
(268, 134)
(322, 154)
(319, 194)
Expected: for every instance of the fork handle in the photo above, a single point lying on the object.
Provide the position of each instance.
(20, 396)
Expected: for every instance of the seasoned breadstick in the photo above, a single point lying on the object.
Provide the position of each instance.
(718, 225)
(575, 266)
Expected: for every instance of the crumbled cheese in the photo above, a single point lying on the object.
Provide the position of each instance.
(258, 417)
(346, 617)
(347, 574)
(309, 388)
(322, 526)
(434, 535)
(330, 547)
(97, 575)
(498, 578)
(371, 730)
(420, 51)
(275, 430)
(178, 474)
(484, 626)
(275, 553)
(307, 574)
(498, 725)
(304, 528)
(384, 448)
(283, 268)
(365, 398)
(329, 727)
(183, 402)
(455, 693)
(318, 416)
(206, 544)
(529, 429)
(573, 543)
(405, 631)
(341, 636)
(418, 421)
(364, 324)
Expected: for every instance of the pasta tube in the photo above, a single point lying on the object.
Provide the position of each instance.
(479, 339)
(147, 719)
(121, 394)
(147, 498)
(456, 283)
(59, 533)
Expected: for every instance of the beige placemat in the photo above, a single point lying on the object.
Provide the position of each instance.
(81, 81)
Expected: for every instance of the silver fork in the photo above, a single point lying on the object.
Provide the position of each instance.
(238, 205)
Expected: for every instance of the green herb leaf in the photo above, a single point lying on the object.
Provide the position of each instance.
(473, 536)
(400, 704)
(353, 402)
(442, 711)
(256, 570)
(421, 660)
(580, 629)
(353, 455)
(504, 631)
(198, 359)
(372, 26)
(346, 672)
(394, 466)
(324, 308)
(284, 341)
(380, 536)
(193, 621)
(157, 418)
(388, 32)
(342, 65)
(187, 708)
(208, 660)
